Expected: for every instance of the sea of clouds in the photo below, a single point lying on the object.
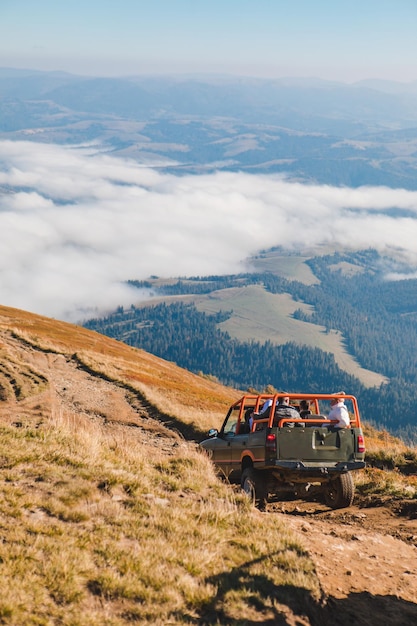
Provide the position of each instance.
(75, 224)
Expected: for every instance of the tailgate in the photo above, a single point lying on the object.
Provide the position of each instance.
(315, 444)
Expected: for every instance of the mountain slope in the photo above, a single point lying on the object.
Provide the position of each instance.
(110, 516)
(167, 387)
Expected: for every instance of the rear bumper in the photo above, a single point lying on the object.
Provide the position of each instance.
(318, 470)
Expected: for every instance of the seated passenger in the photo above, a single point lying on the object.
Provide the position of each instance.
(339, 412)
(262, 413)
(245, 424)
(304, 408)
(285, 410)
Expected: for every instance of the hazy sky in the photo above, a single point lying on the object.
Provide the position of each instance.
(330, 39)
(75, 224)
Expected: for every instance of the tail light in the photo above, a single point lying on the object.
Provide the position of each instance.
(361, 443)
(271, 445)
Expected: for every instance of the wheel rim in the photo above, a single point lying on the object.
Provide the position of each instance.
(331, 494)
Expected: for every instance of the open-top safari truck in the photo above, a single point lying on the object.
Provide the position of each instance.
(271, 454)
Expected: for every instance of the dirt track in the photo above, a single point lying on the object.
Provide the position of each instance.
(365, 558)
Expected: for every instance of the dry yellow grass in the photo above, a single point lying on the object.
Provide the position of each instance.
(380, 484)
(388, 450)
(101, 524)
(392, 467)
(98, 529)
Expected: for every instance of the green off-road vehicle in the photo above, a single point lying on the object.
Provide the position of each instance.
(276, 453)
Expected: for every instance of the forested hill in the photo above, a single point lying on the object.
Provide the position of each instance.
(377, 319)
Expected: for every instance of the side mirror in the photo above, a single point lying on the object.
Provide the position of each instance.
(213, 432)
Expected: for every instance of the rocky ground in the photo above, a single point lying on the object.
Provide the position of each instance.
(365, 558)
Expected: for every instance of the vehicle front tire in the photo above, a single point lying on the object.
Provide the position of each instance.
(252, 485)
(339, 492)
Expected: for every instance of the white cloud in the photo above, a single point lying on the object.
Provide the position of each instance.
(76, 224)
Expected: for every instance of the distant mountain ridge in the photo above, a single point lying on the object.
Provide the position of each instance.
(314, 130)
(202, 90)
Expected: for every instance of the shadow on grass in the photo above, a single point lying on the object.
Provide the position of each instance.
(269, 604)
(265, 601)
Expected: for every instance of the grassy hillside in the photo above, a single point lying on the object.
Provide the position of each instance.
(99, 529)
(172, 390)
(261, 316)
(258, 315)
(109, 516)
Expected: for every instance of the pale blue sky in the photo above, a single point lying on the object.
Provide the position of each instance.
(331, 39)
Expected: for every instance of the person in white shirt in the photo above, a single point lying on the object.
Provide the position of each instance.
(339, 412)
(262, 412)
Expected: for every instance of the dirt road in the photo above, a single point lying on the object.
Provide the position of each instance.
(365, 558)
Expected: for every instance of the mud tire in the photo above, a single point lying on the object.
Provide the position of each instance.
(253, 486)
(339, 492)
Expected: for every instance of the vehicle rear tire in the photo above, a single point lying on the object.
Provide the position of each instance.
(339, 492)
(252, 485)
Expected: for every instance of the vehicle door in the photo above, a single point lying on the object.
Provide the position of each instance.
(221, 446)
(245, 440)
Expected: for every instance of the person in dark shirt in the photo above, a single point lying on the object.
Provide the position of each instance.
(285, 410)
(304, 409)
